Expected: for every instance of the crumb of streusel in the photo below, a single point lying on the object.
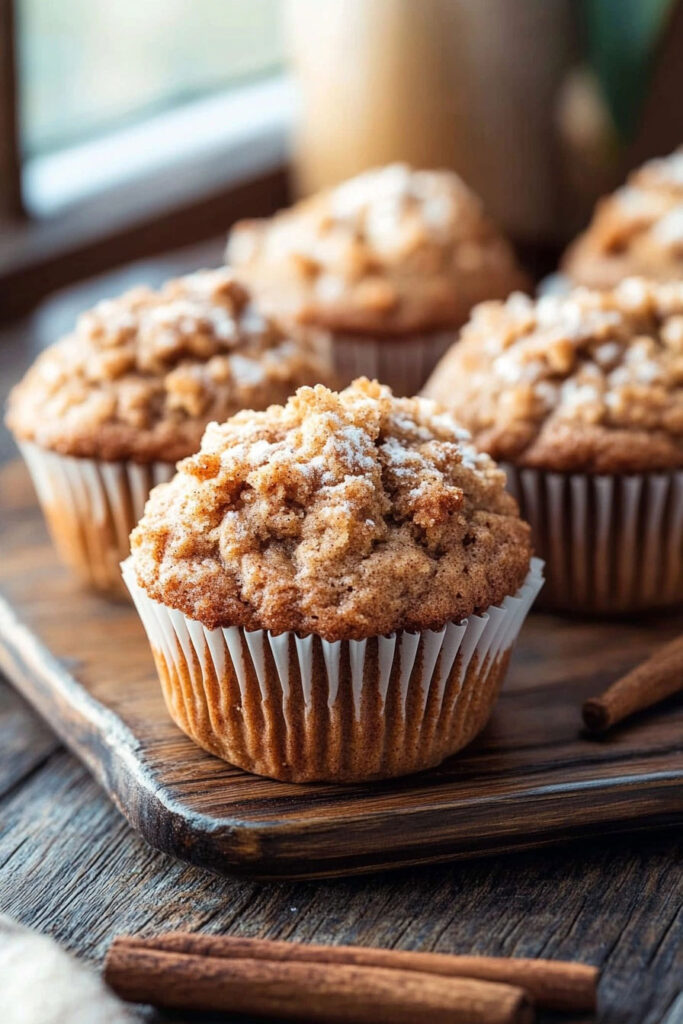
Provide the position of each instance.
(591, 381)
(638, 230)
(345, 515)
(141, 375)
(388, 252)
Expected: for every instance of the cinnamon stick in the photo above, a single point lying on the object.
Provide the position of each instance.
(649, 683)
(551, 984)
(324, 992)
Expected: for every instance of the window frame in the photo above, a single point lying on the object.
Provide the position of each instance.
(11, 206)
(195, 191)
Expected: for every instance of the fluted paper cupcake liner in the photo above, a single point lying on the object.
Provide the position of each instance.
(612, 544)
(403, 364)
(304, 709)
(90, 507)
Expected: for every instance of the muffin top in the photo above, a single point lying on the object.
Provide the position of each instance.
(345, 515)
(591, 381)
(141, 376)
(390, 251)
(636, 231)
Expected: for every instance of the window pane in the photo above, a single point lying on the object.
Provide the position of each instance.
(90, 65)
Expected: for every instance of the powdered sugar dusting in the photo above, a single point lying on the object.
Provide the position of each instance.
(151, 368)
(669, 230)
(636, 230)
(393, 249)
(335, 508)
(611, 360)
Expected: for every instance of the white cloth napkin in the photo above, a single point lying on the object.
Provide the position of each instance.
(41, 984)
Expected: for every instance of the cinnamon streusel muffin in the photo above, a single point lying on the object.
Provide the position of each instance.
(388, 265)
(636, 231)
(105, 413)
(332, 588)
(582, 398)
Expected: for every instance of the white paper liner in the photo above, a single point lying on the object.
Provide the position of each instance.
(611, 543)
(385, 708)
(91, 506)
(403, 364)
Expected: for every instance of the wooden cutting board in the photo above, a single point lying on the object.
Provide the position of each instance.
(531, 779)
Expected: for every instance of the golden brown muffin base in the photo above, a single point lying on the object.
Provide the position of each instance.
(300, 709)
(403, 363)
(90, 508)
(612, 544)
(327, 744)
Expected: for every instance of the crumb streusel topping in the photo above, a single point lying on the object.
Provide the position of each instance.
(391, 251)
(591, 381)
(638, 230)
(345, 515)
(142, 375)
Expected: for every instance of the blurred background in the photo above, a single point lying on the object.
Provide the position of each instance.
(128, 129)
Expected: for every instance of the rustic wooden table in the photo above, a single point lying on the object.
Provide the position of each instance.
(71, 866)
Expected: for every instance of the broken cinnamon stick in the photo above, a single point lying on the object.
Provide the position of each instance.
(551, 984)
(649, 683)
(307, 990)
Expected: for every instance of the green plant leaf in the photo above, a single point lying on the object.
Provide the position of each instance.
(622, 37)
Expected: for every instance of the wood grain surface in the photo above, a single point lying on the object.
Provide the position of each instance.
(71, 866)
(531, 779)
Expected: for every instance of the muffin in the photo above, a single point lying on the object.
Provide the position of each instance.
(104, 414)
(581, 398)
(387, 266)
(332, 588)
(636, 231)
